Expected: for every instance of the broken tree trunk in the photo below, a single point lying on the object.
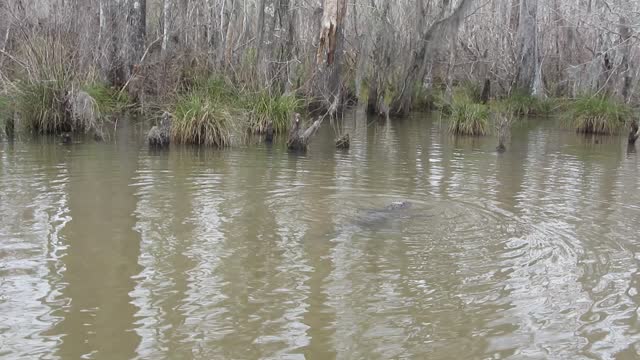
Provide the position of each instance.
(332, 17)
(503, 128)
(344, 142)
(299, 138)
(9, 126)
(269, 132)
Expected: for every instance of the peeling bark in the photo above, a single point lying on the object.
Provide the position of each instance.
(332, 18)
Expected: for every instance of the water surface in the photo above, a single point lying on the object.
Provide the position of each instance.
(113, 251)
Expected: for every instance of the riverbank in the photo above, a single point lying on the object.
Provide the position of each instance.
(214, 111)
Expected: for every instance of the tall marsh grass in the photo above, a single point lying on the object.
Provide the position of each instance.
(201, 119)
(48, 95)
(597, 115)
(520, 103)
(40, 106)
(468, 117)
(265, 109)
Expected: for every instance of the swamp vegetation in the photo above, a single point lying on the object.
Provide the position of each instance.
(225, 68)
(113, 248)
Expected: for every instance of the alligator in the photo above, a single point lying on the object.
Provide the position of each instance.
(376, 219)
(379, 217)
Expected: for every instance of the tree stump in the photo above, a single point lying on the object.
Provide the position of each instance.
(634, 133)
(9, 127)
(383, 109)
(160, 135)
(298, 138)
(66, 139)
(486, 91)
(503, 129)
(344, 142)
(269, 132)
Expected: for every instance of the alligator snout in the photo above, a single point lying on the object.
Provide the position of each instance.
(399, 205)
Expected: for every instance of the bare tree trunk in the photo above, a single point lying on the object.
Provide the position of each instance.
(166, 15)
(376, 89)
(292, 49)
(260, 33)
(335, 84)
(527, 43)
(418, 67)
(359, 61)
(102, 20)
(625, 38)
(231, 36)
(117, 75)
(451, 67)
(139, 25)
(284, 57)
(209, 17)
(331, 43)
(514, 16)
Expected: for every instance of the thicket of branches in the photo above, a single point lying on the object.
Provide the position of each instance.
(389, 52)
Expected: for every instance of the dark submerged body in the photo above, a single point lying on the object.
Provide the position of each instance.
(376, 219)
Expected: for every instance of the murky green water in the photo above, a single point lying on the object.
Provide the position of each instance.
(110, 251)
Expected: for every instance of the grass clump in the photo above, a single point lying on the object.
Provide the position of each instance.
(49, 95)
(53, 107)
(40, 105)
(265, 109)
(468, 118)
(468, 90)
(214, 113)
(598, 115)
(445, 101)
(201, 119)
(108, 100)
(429, 99)
(218, 90)
(520, 103)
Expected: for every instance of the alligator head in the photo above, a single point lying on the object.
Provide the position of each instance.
(398, 205)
